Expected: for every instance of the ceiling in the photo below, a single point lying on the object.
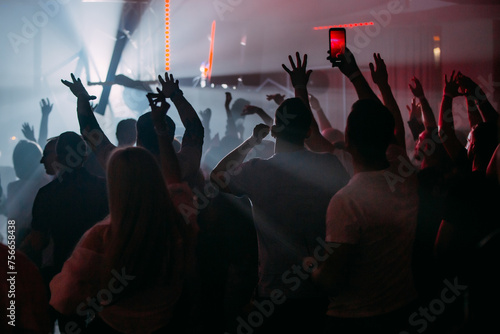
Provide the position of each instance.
(79, 36)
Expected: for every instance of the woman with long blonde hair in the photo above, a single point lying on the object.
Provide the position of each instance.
(127, 272)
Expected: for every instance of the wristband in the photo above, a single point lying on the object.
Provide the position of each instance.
(299, 86)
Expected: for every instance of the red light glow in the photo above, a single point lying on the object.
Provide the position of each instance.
(348, 25)
(167, 35)
(211, 54)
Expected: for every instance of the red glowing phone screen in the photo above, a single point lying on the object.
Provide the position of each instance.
(337, 42)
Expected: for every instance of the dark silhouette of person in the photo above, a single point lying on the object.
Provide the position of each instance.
(126, 132)
(289, 192)
(21, 193)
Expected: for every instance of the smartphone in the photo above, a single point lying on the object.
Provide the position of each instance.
(337, 43)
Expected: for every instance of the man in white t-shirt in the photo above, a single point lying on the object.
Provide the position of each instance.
(372, 222)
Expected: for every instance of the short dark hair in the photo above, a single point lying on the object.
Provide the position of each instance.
(71, 149)
(293, 120)
(146, 134)
(370, 128)
(126, 131)
(26, 158)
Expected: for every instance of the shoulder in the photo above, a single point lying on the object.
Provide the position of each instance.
(93, 239)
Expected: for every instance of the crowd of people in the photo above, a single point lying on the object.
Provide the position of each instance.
(318, 230)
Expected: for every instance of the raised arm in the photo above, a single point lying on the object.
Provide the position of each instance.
(206, 116)
(477, 102)
(324, 123)
(189, 118)
(446, 124)
(277, 98)
(299, 75)
(192, 140)
(235, 158)
(350, 69)
(415, 118)
(28, 131)
(381, 79)
(46, 108)
(428, 115)
(165, 131)
(251, 109)
(89, 127)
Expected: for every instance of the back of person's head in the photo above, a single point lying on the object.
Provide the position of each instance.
(26, 158)
(238, 106)
(176, 143)
(71, 149)
(146, 135)
(142, 217)
(430, 152)
(481, 144)
(49, 156)
(369, 129)
(292, 121)
(126, 132)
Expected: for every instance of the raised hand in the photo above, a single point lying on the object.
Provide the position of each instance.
(77, 88)
(229, 98)
(298, 74)
(250, 110)
(46, 106)
(417, 91)
(314, 102)
(277, 98)
(451, 87)
(379, 71)
(159, 109)
(414, 110)
(169, 86)
(159, 106)
(28, 132)
(347, 65)
(206, 115)
(468, 87)
(260, 132)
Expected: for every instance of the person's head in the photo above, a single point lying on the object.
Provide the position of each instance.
(71, 150)
(26, 158)
(49, 156)
(176, 143)
(126, 132)
(481, 144)
(146, 136)
(429, 150)
(292, 121)
(369, 131)
(142, 216)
